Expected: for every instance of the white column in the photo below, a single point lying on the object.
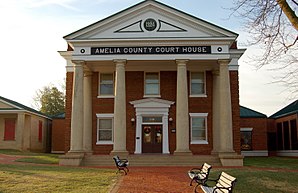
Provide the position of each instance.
(139, 136)
(216, 113)
(182, 118)
(77, 114)
(165, 136)
(225, 108)
(87, 139)
(120, 110)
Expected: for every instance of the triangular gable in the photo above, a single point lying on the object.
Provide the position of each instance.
(6, 104)
(150, 19)
(10, 105)
(152, 103)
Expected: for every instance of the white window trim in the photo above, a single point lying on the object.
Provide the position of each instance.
(246, 129)
(205, 116)
(197, 95)
(151, 95)
(106, 96)
(103, 116)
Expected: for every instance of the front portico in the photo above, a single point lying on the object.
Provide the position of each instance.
(159, 82)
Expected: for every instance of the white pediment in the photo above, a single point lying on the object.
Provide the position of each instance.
(7, 105)
(150, 19)
(152, 103)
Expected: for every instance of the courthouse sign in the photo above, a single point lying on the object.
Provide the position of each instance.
(151, 50)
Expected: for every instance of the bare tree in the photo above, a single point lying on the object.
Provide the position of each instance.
(273, 26)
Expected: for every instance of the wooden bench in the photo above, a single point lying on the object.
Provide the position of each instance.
(199, 175)
(121, 164)
(224, 184)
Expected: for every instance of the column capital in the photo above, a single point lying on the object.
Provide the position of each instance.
(224, 62)
(215, 72)
(182, 61)
(78, 62)
(119, 61)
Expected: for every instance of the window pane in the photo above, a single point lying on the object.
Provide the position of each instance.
(106, 84)
(105, 129)
(197, 83)
(105, 124)
(106, 89)
(152, 77)
(197, 77)
(152, 119)
(152, 89)
(106, 78)
(198, 128)
(246, 143)
(198, 135)
(197, 88)
(198, 122)
(105, 135)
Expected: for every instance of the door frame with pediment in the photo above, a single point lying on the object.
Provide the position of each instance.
(155, 108)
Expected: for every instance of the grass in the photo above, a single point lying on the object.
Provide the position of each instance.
(264, 174)
(257, 181)
(29, 157)
(260, 175)
(28, 178)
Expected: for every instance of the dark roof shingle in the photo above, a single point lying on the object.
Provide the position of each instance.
(288, 110)
(249, 113)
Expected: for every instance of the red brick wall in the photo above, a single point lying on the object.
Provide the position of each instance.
(99, 105)
(234, 86)
(134, 83)
(58, 135)
(168, 87)
(203, 105)
(259, 132)
(135, 91)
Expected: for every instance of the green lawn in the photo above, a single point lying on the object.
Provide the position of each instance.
(28, 178)
(260, 175)
(264, 175)
(47, 178)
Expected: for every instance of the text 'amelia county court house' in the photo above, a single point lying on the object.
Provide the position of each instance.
(152, 80)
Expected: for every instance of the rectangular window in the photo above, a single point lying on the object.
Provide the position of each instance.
(106, 84)
(105, 128)
(151, 83)
(198, 123)
(40, 131)
(246, 139)
(10, 129)
(197, 83)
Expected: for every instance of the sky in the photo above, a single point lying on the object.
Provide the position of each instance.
(32, 32)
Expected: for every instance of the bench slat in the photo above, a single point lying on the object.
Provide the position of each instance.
(224, 184)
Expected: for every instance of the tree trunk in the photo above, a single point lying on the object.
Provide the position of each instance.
(288, 12)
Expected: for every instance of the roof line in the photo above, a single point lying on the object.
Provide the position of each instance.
(162, 4)
(22, 107)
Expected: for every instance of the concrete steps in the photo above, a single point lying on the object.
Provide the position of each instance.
(153, 160)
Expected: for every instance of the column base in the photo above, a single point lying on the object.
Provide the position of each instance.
(71, 159)
(182, 152)
(230, 159)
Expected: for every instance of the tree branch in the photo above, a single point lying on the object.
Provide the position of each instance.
(289, 12)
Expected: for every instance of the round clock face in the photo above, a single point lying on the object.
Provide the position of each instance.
(150, 24)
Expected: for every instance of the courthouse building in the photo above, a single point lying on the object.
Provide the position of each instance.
(152, 80)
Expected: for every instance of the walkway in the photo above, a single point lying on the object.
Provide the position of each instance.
(141, 179)
(154, 180)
